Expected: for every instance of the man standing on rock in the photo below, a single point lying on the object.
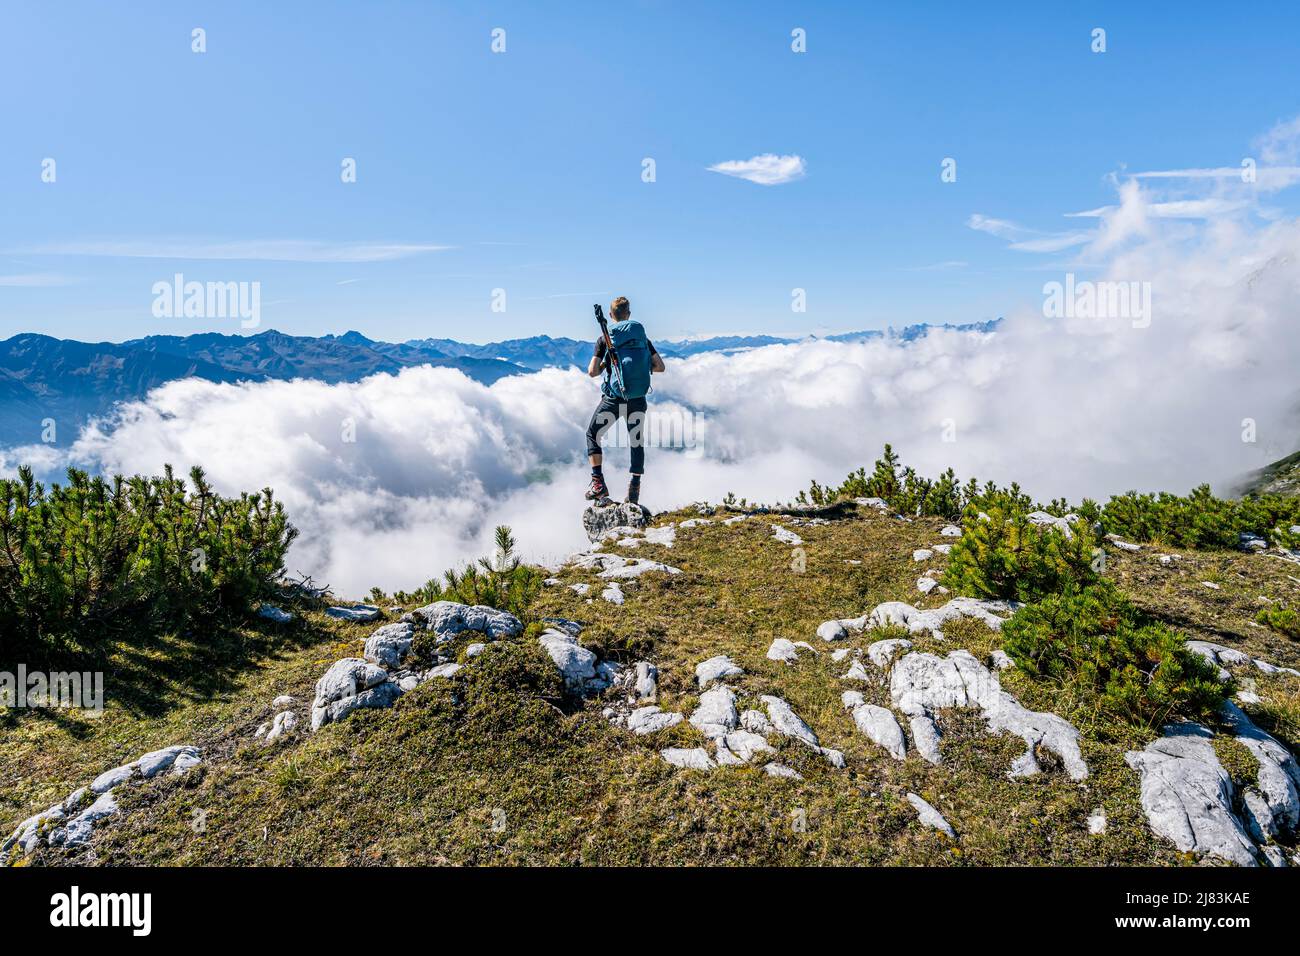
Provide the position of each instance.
(623, 392)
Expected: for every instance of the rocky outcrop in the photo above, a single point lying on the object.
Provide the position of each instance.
(1188, 796)
(610, 519)
(72, 821)
(916, 621)
(584, 673)
(384, 675)
(921, 684)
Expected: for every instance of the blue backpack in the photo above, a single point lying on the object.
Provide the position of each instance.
(632, 377)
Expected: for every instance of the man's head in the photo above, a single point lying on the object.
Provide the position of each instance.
(620, 309)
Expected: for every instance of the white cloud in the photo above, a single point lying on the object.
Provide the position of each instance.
(270, 250)
(1068, 407)
(766, 170)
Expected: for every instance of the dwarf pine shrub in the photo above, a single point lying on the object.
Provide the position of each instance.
(128, 556)
(1002, 554)
(1200, 519)
(1108, 662)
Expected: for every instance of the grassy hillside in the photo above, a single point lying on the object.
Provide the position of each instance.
(496, 765)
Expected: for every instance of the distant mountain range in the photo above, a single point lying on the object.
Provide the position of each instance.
(42, 377)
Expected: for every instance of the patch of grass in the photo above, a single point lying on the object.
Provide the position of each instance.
(1284, 620)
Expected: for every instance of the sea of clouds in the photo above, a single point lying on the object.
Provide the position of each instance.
(397, 477)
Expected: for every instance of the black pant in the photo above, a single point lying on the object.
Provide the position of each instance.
(607, 413)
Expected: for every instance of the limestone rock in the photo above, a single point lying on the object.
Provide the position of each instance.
(111, 778)
(877, 723)
(925, 738)
(388, 645)
(347, 678)
(283, 724)
(649, 720)
(273, 613)
(856, 672)
(785, 535)
(839, 629)
(636, 567)
(1188, 796)
(378, 696)
(154, 763)
(1045, 520)
(882, 653)
(930, 817)
(693, 758)
(356, 614)
(716, 668)
(79, 829)
(604, 517)
(781, 770)
(743, 746)
(716, 714)
(577, 664)
(647, 681)
(923, 683)
(916, 621)
(786, 650)
(612, 593)
(448, 619)
(1274, 803)
(789, 724)
(756, 722)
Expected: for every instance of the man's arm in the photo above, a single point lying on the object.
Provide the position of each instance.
(656, 363)
(597, 363)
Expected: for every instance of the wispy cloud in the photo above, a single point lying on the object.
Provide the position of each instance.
(768, 169)
(1024, 239)
(35, 280)
(270, 250)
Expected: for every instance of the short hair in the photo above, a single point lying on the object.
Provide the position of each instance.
(620, 308)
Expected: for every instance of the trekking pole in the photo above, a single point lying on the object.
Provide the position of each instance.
(615, 368)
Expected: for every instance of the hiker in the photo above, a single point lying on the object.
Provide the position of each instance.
(623, 392)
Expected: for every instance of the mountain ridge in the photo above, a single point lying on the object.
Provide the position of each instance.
(45, 378)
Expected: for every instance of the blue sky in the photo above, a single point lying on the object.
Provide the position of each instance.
(522, 170)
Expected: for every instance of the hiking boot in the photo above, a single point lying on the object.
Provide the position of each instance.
(597, 490)
(634, 491)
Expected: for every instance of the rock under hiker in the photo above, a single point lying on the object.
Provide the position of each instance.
(623, 393)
